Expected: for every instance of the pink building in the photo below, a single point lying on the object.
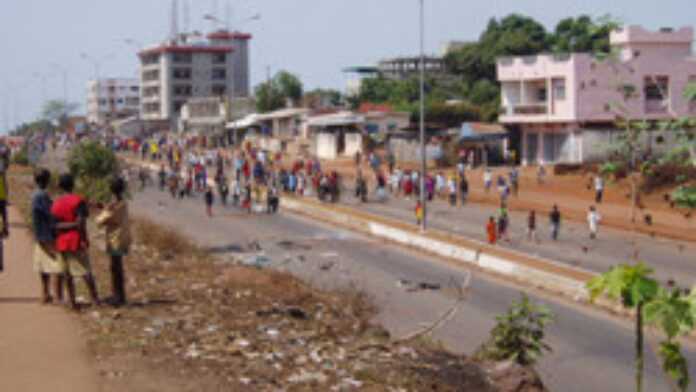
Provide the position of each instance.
(562, 108)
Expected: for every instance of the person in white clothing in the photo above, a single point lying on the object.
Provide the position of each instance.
(487, 179)
(599, 189)
(593, 219)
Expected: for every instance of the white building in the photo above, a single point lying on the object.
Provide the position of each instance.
(176, 71)
(112, 99)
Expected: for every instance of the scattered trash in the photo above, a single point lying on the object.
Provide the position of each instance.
(409, 286)
(327, 266)
(258, 261)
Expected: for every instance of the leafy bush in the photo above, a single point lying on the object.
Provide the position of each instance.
(567, 168)
(519, 334)
(666, 175)
(21, 157)
(93, 166)
(685, 197)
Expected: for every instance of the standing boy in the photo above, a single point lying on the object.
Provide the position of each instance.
(593, 219)
(599, 189)
(72, 243)
(555, 218)
(45, 262)
(114, 220)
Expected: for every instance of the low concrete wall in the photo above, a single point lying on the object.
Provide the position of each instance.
(549, 279)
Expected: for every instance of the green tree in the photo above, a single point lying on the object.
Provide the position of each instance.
(633, 286)
(93, 166)
(274, 94)
(289, 85)
(56, 111)
(583, 35)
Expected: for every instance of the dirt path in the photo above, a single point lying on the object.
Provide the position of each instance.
(41, 345)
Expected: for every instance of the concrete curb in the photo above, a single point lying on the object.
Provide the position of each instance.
(557, 278)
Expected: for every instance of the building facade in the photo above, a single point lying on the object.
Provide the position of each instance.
(175, 72)
(564, 107)
(112, 99)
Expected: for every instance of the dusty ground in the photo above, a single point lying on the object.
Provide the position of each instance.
(196, 324)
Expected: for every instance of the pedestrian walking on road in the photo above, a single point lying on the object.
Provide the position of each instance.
(464, 189)
(593, 220)
(503, 223)
(162, 177)
(531, 227)
(599, 188)
(272, 200)
(43, 225)
(555, 218)
(209, 199)
(4, 191)
(420, 214)
(72, 244)
(515, 181)
(452, 188)
(492, 231)
(487, 180)
(541, 175)
(115, 222)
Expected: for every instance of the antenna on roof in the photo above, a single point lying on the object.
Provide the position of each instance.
(228, 15)
(187, 17)
(175, 21)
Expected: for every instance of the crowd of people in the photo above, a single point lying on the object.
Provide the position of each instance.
(250, 175)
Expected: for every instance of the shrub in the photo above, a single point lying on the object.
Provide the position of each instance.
(666, 174)
(519, 334)
(685, 197)
(93, 166)
(21, 157)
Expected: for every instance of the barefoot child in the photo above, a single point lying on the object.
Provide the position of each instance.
(492, 231)
(114, 220)
(45, 262)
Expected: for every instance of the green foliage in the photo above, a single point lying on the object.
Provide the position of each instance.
(21, 157)
(93, 166)
(674, 364)
(519, 334)
(272, 95)
(629, 283)
(685, 197)
(56, 111)
(583, 35)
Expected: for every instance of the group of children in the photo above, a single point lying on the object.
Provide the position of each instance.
(62, 242)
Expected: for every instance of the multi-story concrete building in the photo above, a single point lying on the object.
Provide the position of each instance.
(176, 71)
(563, 108)
(112, 99)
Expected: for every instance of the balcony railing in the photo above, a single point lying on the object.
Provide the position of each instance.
(530, 109)
(656, 106)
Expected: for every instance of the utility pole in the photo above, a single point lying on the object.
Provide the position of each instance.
(422, 117)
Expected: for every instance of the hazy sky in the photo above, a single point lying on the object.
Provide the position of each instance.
(312, 38)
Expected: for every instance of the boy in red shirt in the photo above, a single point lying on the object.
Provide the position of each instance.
(72, 244)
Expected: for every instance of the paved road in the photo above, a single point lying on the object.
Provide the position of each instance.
(40, 346)
(671, 259)
(591, 351)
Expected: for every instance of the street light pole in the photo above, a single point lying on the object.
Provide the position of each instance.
(422, 117)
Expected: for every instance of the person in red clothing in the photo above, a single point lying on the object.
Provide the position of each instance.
(72, 244)
(492, 231)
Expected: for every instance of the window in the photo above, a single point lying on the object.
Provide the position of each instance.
(182, 58)
(153, 107)
(151, 92)
(219, 89)
(183, 90)
(151, 59)
(656, 88)
(541, 94)
(132, 101)
(120, 100)
(219, 58)
(182, 73)
(559, 89)
(151, 75)
(178, 105)
(134, 89)
(102, 101)
(219, 74)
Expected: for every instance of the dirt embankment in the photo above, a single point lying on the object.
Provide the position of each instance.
(199, 324)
